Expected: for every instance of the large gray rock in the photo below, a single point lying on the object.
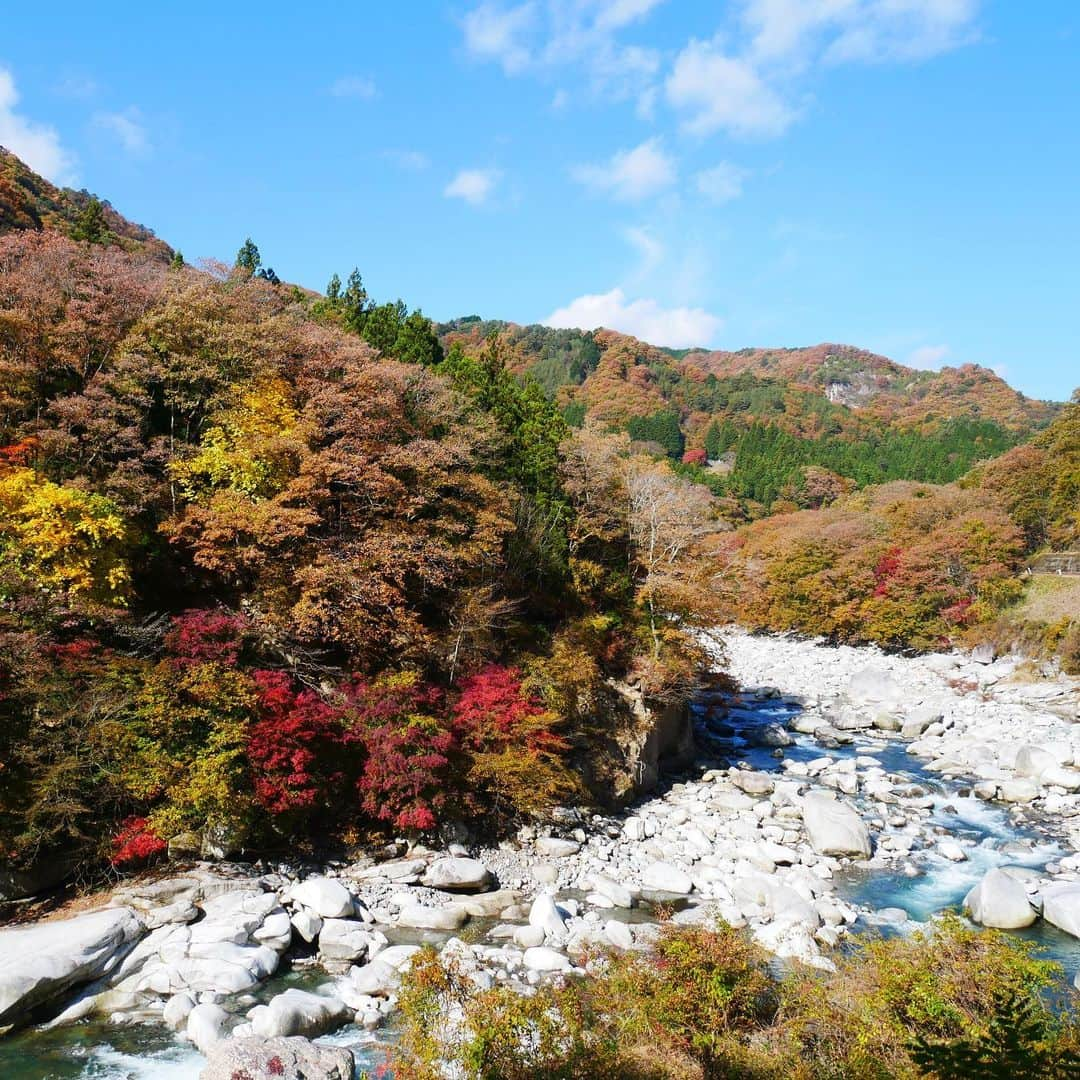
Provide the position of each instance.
(457, 875)
(1033, 761)
(283, 1059)
(297, 1012)
(875, 686)
(1061, 907)
(1000, 901)
(327, 898)
(541, 958)
(1059, 776)
(344, 939)
(666, 878)
(382, 976)
(547, 915)
(207, 1025)
(834, 828)
(618, 894)
(40, 963)
(420, 917)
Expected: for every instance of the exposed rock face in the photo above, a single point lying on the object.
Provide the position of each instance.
(834, 827)
(46, 874)
(283, 1059)
(648, 739)
(40, 963)
(1000, 902)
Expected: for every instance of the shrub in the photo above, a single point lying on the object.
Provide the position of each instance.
(402, 778)
(135, 843)
(294, 748)
(514, 757)
(952, 1003)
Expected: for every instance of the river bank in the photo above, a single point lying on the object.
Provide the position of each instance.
(840, 790)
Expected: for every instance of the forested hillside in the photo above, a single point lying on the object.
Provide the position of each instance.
(261, 546)
(274, 568)
(769, 429)
(909, 564)
(29, 201)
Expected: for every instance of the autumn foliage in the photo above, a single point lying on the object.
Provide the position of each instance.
(274, 566)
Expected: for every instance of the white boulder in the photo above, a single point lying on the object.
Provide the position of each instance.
(664, 877)
(326, 897)
(297, 1012)
(1061, 906)
(834, 828)
(40, 963)
(1000, 902)
(544, 959)
(457, 875)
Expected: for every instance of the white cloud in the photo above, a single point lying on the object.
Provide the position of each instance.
(560, 99)
(355, 86)
(474, 186)
(38, 145)
(720, 92)
(722, 183)
(541, 36)
(677, 328)
(614, 14)
(870, 31)
(496, 33)
(410, 160)
(126, 128)
(649, 247)
(928, 357)
(630, 175)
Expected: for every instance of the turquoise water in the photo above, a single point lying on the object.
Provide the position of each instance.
(940, 885)
(98, 1051)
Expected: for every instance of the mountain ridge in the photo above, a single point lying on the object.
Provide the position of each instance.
(29, 201)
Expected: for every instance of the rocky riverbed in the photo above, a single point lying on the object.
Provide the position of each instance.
(840, 789)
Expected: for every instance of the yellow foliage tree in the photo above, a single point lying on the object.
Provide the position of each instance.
(250, 447)
(66, 539)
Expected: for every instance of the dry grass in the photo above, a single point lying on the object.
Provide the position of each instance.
(1049, 599)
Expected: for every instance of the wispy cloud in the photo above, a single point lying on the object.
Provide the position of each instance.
(746, 81)
(630, 175)
(718, 92)
(722, 183)
(37, 144)
(649, 247)
(410, 160)
(864, 31)
(473, 186)
(76, 87)
(581, 36)
(126, 128)
(928, 357)
(354, 86)
(493, 32)
(677, 328)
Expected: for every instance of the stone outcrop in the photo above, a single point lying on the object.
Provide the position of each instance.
(284, 1059)
(39, 964)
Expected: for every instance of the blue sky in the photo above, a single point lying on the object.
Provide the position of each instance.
(902, 175)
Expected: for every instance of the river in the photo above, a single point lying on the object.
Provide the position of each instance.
(897, 891)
